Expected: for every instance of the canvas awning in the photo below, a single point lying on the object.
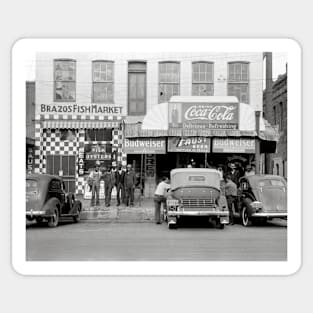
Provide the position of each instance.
(155, 124)
(77, 124)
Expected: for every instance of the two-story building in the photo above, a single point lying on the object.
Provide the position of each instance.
(92, 106)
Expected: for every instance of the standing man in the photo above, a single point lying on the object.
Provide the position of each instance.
(231, 196)
(119, 184)
(129, 183)
(94, 182)
(108, 185)
(160, 197)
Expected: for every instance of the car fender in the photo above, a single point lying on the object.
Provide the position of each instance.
(76, 206)
(50, 205)
(247, 203)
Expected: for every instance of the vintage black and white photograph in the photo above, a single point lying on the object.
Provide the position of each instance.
(148, 156)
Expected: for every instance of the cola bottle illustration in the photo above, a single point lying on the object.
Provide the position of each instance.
(175, 116)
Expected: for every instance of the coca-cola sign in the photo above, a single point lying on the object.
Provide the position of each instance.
(204, 115)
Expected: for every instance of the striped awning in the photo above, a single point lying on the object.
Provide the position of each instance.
(69, 124)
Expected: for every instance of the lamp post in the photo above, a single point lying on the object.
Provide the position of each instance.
(257, 142)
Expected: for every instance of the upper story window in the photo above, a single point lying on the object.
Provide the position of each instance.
(169, 80)
(202, 79)
(102, 81)
(137, 87)
(238, 81)
(64, 80)
(281, 116)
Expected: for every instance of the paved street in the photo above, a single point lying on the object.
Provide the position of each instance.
(146, 241)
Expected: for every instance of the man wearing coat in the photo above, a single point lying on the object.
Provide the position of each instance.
(129, 184)
(119, 184)
(109, 181)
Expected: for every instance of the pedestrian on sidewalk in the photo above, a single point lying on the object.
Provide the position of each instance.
(231, 196)
(129, 184)
(108, 185)
(119, 185)
(160, 197)
(94, 183)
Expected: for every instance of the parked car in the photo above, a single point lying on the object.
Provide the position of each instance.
(196, 192)
(262, 198)
(47, 200)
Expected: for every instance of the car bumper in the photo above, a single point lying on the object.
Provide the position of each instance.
(32, 214)
(270, 214)
(198, 213)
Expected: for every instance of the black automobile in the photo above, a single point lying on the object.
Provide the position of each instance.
(261, 198)
(47, 200)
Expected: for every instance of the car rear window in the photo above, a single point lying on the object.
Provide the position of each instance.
(196, 178)
(276, 182)
(264, 183)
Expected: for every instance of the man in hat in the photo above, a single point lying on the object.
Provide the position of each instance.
(109, 181)
(94, 182)
(119, 183)
(231, 196)
(129, 184)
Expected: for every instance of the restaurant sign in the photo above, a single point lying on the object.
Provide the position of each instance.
(189, 144)
(145, 146)
(204, 115)
(239, 145)
(97, 152)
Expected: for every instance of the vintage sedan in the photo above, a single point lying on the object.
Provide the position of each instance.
(196, 192)
(261, 198)
(47, 200)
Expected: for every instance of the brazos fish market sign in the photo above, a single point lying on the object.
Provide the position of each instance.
(204, 115)
(189, 144)
(145, 146)
(74, 108)
(238, 145)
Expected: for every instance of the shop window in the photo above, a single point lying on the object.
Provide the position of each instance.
(137, 88)
(98, 134)
(67, 134)
(169, 80)
(275, 115)
(64, 80)
(202, 79)
(102, 81)
(238, 81)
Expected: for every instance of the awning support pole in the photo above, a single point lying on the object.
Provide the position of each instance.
(257, 142)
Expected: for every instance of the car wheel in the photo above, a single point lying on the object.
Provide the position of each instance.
(76, 217)
(54, 220)
(244, 217)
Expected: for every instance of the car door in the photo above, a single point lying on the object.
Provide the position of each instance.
(55, 191)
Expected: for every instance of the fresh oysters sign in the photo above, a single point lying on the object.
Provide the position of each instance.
(204, 115)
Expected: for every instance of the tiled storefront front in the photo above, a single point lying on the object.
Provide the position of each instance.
(49, 144)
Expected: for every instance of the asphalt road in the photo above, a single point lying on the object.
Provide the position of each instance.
(102, 241)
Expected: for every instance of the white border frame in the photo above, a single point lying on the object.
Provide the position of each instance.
(26, 48)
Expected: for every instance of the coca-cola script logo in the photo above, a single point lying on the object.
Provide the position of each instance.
(214, 113)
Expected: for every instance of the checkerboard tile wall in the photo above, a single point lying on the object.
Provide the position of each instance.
(48, 142)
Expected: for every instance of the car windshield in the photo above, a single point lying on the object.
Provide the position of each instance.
(31, 187)
(276, 182)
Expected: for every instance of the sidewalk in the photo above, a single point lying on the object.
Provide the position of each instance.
(141, 212)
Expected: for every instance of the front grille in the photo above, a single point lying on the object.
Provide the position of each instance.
(198, 204)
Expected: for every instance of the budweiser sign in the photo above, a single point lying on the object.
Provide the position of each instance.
(214, 113)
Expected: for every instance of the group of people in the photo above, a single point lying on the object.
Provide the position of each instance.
(123, 180)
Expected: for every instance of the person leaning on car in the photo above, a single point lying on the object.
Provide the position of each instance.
(231, 196)
(160, 197)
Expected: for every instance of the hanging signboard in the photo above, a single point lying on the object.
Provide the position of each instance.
(145, 146)
(81, 109)
(189, 144)
(204, 115)
(98, 152)
(243, 145)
